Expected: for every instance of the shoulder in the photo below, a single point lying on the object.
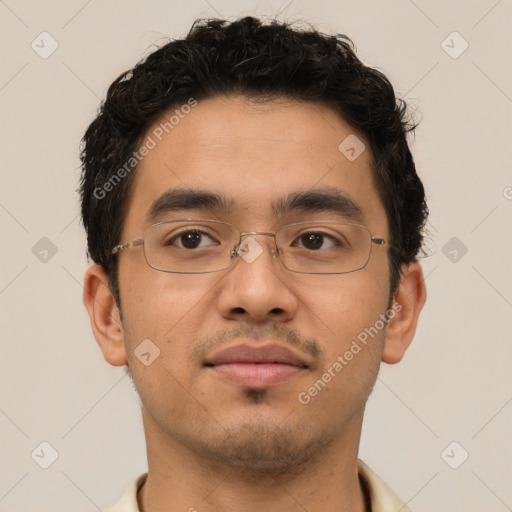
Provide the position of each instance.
(128, 503)
(381, 496)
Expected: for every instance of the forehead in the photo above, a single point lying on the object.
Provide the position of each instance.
(255, 155)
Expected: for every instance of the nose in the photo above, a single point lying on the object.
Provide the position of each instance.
(256, 289)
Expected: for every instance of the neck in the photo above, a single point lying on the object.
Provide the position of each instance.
(179, 479)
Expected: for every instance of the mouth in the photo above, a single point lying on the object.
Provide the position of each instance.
(256, 367)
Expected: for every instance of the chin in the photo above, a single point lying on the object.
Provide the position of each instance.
(263, 447)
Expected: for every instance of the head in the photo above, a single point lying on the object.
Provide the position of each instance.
(257, 113)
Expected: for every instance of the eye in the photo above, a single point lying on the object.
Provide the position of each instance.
(316, 240)
(191, 239)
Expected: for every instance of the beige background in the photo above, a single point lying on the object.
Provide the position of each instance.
(455, 382)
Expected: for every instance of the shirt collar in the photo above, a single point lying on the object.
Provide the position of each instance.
(381, 497)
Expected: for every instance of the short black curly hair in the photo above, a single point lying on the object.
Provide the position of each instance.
(260, 61)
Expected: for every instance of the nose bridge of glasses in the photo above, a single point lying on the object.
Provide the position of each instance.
(252, 233)
(264, 234)
(249, 244)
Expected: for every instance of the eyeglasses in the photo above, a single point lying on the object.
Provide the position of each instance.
(191, 246)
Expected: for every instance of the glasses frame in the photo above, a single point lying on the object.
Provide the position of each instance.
(235, 251)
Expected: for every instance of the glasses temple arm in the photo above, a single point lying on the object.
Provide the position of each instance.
(127, 245)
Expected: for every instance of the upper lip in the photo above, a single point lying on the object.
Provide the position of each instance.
(245, 353)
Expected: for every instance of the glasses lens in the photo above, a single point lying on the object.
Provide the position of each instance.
(190, 246)
(197, 246)
(324, 247)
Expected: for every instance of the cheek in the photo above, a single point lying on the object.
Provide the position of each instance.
(352, 342)
(346, 320)
(165, 309)
(341, 306)
(155, 303)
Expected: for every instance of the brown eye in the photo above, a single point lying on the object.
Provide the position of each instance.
(315, 241)
(312, 240)
(190, 240)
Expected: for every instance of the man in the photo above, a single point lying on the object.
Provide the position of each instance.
(255, 215)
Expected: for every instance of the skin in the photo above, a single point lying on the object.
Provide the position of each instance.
(211, 444)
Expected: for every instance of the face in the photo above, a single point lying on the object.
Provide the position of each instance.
(203, 392)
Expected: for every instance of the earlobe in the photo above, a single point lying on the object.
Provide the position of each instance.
(104, 316)
(407, 304)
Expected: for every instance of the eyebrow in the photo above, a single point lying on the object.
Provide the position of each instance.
(324, 199)
(178, 199)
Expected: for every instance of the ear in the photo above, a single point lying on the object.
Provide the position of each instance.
(104, 316)
(407, 304)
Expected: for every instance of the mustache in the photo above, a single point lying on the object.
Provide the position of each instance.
(201, 348)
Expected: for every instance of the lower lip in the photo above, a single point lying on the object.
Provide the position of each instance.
(257, 375)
